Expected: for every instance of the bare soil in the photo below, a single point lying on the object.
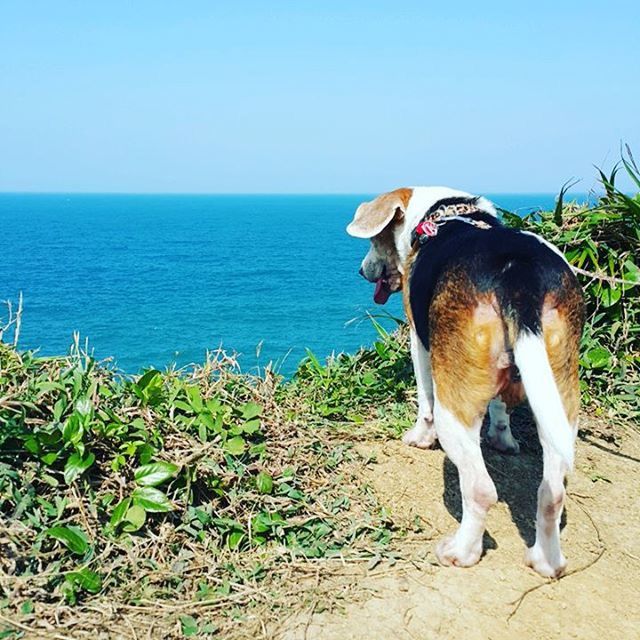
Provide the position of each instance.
(500, 597)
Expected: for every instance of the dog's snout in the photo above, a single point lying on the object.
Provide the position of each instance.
(361, 271)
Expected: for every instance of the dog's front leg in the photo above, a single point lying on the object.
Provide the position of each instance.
(499, 434)
(423, 433)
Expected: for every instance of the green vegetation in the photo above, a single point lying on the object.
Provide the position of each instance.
(199, 488)
(603, 244)
(206, 493)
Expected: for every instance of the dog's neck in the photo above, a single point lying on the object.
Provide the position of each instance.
(438, 216)
(430, 199)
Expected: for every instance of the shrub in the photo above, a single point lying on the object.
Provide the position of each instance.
(601, 243)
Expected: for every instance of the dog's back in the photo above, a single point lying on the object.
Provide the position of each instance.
(489, 304)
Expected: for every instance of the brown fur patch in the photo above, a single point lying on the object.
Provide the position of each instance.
(406, 279)
(372, 217)
(562, 320)
(467, 347)
(512, 394)
(467, 339)
(404, 194)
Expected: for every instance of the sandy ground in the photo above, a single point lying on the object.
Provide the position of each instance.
(598, 598)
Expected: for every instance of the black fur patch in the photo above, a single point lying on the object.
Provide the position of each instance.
(519, 268)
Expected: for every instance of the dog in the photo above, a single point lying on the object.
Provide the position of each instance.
(495, 314)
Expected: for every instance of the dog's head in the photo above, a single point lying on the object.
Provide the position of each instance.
(381, 220)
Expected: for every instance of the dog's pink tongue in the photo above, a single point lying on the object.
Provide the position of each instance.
(382, 292)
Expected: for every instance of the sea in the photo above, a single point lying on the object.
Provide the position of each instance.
(159, 280)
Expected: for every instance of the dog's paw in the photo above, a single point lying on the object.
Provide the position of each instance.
(421, 435)
(451, 552)
(501, 439)
(546, 567)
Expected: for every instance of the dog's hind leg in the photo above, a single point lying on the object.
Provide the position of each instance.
(462, 446)
(467, 340)
(549, 364)
(545, 556)
(423, 433)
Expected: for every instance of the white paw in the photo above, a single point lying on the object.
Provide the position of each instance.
(552, 567)
(452, 553)
(501, 439)
(422, 435)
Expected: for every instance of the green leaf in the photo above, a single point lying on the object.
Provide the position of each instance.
(72, 430)
(368, 378)
(598, 357)
(315, 363)
(380, 330)
(195, 399)
(609, 295)
(251, 410)
(50, 458)
(134, 518)
(147, 379)
(209, 628)
(207, 420)
(235, 446)
(264, 482)
(151, 475)
(557, 214)
(149, 388)
(189, 626)
(58, 408)
(145, 453)
(73, 538)
(119, 512)
(202, 431)
(77, 465)
(235, 539)
(83, 406)
(381, 350)
(26, 607)
(86, 579)
(261, 523)
(632, 272)
(151, 500)
(251, 426)
(183, 406)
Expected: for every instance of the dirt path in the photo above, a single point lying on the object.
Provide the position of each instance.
(599, 598)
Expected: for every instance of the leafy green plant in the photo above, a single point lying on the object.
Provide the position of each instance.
(348, 387)
(601, 243)
(106, 481)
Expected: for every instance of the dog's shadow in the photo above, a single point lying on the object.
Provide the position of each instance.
(516, 477)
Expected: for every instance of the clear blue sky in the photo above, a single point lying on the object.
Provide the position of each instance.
(314, 96)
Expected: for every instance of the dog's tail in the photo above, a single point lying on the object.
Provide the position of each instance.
(531, 358)
(522, 306)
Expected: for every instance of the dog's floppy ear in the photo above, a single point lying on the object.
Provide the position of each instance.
(372, 217)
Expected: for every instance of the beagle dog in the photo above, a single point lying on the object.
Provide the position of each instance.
(495, 316)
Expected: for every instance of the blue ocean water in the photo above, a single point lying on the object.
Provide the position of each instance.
(156, 279)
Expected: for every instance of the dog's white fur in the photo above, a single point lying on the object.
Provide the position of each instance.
(423, 433)
(462, 444)
(531, 358)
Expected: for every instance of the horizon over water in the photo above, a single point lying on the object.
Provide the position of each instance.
(155, 279)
